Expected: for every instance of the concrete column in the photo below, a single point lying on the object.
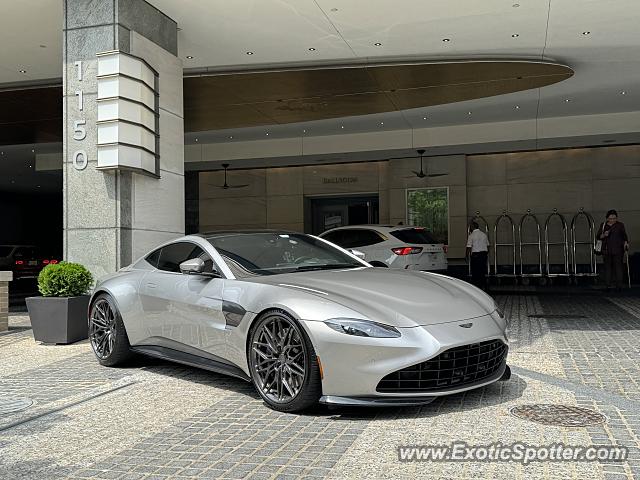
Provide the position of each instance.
(5, 278)
(113, 216)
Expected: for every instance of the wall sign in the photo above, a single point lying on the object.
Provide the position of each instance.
(340, 180)
(80, 160)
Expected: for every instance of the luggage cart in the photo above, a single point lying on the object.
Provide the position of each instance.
(628, 268)
(482, 222)
(509, 246)
(564, 243)
(589, 243)
(537, 272)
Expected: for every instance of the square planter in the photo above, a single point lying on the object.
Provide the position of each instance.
(59, 319)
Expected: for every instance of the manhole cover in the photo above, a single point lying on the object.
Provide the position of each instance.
(14, 404)
(558, 415)
(541, 315)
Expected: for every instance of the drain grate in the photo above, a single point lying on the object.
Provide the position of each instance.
(14, 404)
(558, 415)
(542, 315)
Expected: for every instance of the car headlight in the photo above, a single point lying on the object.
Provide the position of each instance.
(362, 328)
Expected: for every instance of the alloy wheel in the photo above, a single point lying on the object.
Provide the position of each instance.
(102, 328)
(278, 358)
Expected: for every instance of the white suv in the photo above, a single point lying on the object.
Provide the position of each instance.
(395, 246)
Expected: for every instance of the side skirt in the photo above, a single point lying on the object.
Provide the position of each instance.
(191, 360)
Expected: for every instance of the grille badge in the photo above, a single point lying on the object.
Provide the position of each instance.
(466, 325)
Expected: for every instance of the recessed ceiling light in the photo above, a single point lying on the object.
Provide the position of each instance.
(267, 134)
(341, 126)
(515, 5)
(304, 131)
(22, 71)
(515, 35)
(424, 118)
(377, 44)
(37, 186)
(312, 49)
(196, 139)
(334, 9)
(446, 40)
(230, 137)
(249, 53)
(567, 100)
(469, 112)
(33, 150)
(381, 123)
(623, 92)
(586, 33)
(189, 57)
(517, 107)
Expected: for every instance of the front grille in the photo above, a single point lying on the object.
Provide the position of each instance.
(453, 368)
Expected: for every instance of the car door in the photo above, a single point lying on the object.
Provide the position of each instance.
(183, 310)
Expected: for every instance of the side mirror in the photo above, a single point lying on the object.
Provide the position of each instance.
(192, 266)
(358, 254)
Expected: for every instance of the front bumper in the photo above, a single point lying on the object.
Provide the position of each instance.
(353, 366)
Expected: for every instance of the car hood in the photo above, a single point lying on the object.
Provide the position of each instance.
(395, 297)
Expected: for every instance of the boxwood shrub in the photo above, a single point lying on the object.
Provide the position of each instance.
(64, 279)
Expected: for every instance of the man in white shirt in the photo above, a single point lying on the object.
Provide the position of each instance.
(478, 252)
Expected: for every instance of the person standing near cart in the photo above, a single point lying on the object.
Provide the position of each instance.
(478, 253)
(614, 243)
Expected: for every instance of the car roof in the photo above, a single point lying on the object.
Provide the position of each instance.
(226, 233)
(380, 228)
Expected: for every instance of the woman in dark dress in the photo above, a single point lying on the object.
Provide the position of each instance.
(614, 243)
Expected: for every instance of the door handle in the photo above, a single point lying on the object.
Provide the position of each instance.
(152, 285)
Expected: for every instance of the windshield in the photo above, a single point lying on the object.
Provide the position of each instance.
(272, 253)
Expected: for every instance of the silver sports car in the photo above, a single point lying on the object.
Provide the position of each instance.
(301, 318)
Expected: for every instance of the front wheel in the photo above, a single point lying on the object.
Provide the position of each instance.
(283, 363)
(107, 334)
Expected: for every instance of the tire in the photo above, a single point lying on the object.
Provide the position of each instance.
(278, 379)
(107, 334)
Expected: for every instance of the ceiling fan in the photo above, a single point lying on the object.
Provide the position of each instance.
(421, 173)
(226, 186)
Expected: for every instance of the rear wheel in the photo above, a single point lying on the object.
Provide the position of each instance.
(107, 334)
(283, 363)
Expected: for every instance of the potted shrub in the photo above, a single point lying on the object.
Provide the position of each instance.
(60, 315)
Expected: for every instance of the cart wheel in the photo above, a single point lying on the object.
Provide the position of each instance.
(525, 281)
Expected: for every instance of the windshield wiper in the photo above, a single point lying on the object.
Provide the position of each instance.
(328, 266)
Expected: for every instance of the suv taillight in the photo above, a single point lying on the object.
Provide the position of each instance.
(406, 250)
(19, 262)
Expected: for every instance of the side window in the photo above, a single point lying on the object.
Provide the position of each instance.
(349, 239)
(369, 237)
(336, 237)
(359, 237)
(154, 257)
(173, 255)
